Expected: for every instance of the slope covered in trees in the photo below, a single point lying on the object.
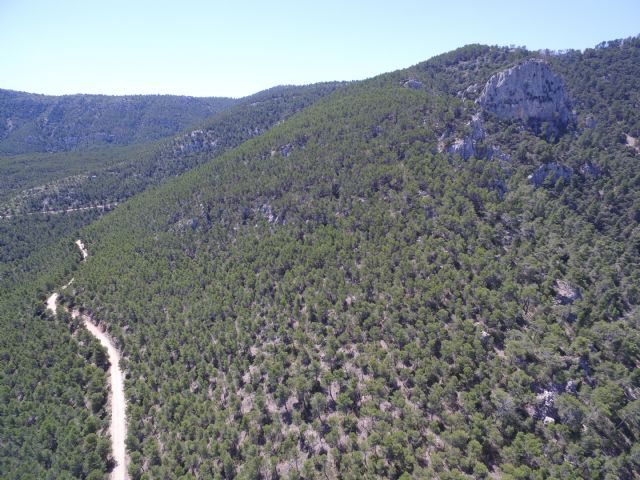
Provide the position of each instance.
(53, 380)
(32, 123)
(352, 294)
(105, 176)
(393, 282)
(53, 391)
(51, 434)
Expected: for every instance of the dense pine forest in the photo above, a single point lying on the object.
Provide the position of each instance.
(31, 123)
(433, 273)
(94, 176)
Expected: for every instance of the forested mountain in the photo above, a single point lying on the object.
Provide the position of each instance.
(106, 176)
(41, 123)
(51, 368)
(429, 274)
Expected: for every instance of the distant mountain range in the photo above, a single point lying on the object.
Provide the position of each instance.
(41, 123)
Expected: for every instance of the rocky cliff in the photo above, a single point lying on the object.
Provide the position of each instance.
(530, 92)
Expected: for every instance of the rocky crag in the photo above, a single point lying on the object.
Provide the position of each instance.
(530, 92)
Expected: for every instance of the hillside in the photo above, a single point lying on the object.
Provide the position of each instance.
(52, 366)
(53, 391)
(403, 280)
(432, 273)
(108, 175)
(32, 123)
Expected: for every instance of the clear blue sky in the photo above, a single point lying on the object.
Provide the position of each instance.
(234, 48)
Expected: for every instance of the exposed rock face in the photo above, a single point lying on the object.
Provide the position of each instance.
(285, 150)
(477, 128)
(530, 92)
(470, 92)
(566, 293)
(572, 387)
(633, 143)
(550, 173)
(465, 147)
(546, 404)
(412, 83)
(496, 152)
(472, 145)
(196, 141)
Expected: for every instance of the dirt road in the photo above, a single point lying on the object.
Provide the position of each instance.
(118, 426)
(118, 403)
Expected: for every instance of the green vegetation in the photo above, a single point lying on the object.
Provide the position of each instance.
(29, 178)
(105, 176)
(52, 436)
(53, 391)
(32, 123)
(340, 297)
(337, 298)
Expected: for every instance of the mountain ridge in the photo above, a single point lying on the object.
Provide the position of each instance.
(43, 123)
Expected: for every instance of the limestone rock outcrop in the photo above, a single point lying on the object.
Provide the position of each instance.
(531, 93)
(465, 147)
(566, 293)
(412, 83)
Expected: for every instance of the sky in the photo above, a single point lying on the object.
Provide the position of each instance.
(238, 47)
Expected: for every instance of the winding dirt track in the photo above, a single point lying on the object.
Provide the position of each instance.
(118, 427)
